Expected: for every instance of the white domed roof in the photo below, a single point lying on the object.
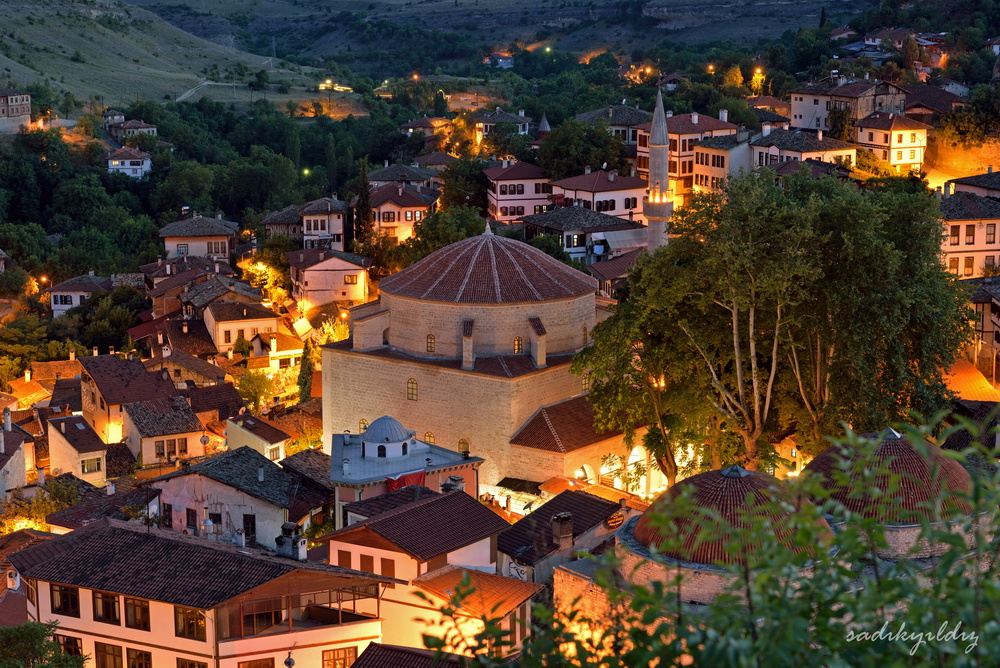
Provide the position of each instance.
(386, 430)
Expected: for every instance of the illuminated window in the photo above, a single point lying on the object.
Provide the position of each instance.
(411, 389)
(362, 426)
(189, 623)
(430, 343)
(351, 279)
(463, 445)
(518, 345)
(585, 383)
(340, 658)
(429, 437)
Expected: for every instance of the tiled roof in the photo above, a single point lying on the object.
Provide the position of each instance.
(127, 153)
(515, 172)
(931, 97)
(17, 541)
(578, 218)
(616, 114)
(833, 87)
(199, 226)
(488, 269)
(724, 143)
(216, 287)
(84, 490)
(989, 180)
(196, 341)
(162, 417)
(261, 428)
(189, 362)
(922, 480)
(436, 158)
(684, 124)
(399, 172)
(164, 565)
(429, 527)
(323, 205)
(530, 539)
(78, 432)
(121, 380)
(133, 125)
(396, 656)
(28, 392)
(303, 259)
(422, 122)
(313, 464)
(56, 369)
(493, 596)
(85, 283)
(969, 383)
(766, 101)
(223, 399)
(118, 460)
(278, 342)
(599, 181)
(966, 206)
(389, 501)
(803, 142)
(180, 264)
(177, 281)
(562, 427)
(768, 116)
(97, 509)
(135, 279)
(287, 216)
(405, 197)
(617, 267)
(239, 469)
(880, 120)
(726, 493)
(66, 392)
(537, 326)
(501, 116)
(231, 312)
(560, 484)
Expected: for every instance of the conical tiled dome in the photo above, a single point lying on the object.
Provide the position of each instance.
(921, 480)
(725, 492)
(488, 269)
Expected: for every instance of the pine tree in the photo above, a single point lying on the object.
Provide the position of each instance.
(306, 373)
(822, 17)
(363, 225)
(330, 153)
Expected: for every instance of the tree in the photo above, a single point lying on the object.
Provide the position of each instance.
(90, 124)
(306, 372)
(842, 125)
(822, 17)
(910, 52)
(256, 388)
(504, 140)
(440, 104)
(31, 646)
(465, 184)
(733, 76)
(241, 347)
(330, 155)
(332, 330)
(142, 142)
(573, 146)
(364, 223)
(438, 230)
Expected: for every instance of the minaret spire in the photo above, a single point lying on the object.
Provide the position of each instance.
(658, 207)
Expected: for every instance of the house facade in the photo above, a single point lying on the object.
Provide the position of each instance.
(322, 277)
(227, 322)
(587, 235)
(894, 138)
(780, 146)
(163, 430)
(200, 236)
(517, 189)
(130, 162)
(259, 434)
(487, 123)
(970, 243)
(15, 110)
(812, 104)
(125, 129)
(621, 120)
(397, 207)
(109, 382)
(718, 158)
(604, 192)
(74, 291)
(74, 447)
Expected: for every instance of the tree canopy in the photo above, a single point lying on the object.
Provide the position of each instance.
(573, 146)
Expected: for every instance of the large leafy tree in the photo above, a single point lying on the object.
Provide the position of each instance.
(573, 146)
(464, 184)
(31, 646)
(437, 231)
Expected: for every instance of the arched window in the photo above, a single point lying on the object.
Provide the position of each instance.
(411, 389)
(362, 426)
(381, 451)
(405, 448)
(430, 343)
(429, 437)
(463, 445)
(518, 345)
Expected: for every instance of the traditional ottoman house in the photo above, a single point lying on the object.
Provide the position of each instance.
(894, 138)
(587, 235)
(779, 146)
(621, 120)
(516, 189)
(619, 196)
(125, 129)
(985, 185)
(130, 162)
(969, 246)
(74, 291)
(397, 207)
(204, 237)
(320, 276)
(487, 123)
(315, 224)
(812, 104)
(15, 110)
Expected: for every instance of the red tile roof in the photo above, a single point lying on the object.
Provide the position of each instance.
(78, 432)
(122, 380)
(403, 197)
(519, 171)
(493, 596)
(127, 153)
(262, 429)
(880, 120)
(303, 259)
(683, 124)
(60, 368)
(395, 656)
(562, 427)
(600, 181)
(488, 269)
(617, 267)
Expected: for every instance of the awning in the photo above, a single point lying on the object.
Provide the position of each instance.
(625, 240)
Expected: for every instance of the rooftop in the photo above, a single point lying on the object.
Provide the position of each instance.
(966, 206)
(85, 283)
(880, 120)
(365, 470)
(436, 158)
(199, 226)
(562, 427)
(378, 655)
(78, 432)
(802, 142)
(127, 153)
(400, 172)
(688, 124)
(403, 196)
(182, 263)
(570, 218)
(163, 417)
(99, 508)
(616, 267)
(216, 287)
(261, 428)
(195, 341)
(303, 259)
(222, 399)
(616, 114)
(389, 501)
(313, 464)
(600, 181)
(121, 380)
(990, 180)
(500, 116)
(231, 311)
(515, 172)
(493, 596)
(189, 362)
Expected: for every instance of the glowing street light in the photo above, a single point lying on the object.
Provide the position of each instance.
(711, 69)
(416, 76)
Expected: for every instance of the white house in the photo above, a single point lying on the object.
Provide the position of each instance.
(125, 129)
(15, 110)
(986, 185)
(894, 138)
(397, 207)
(812, 104)
(517, 189)
(604, 192)
(128, 595)
(74, 291)
(74, 447)
(970, 242)
(161, 430)
(718, 158)
(200, 236)
(257, 433)
(319, 223)
(129, 161)
(486, 124)
(321, 276)
(621, 120)
(227, 322)
(778, 146)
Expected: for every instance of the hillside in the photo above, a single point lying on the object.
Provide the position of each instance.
(111, 50)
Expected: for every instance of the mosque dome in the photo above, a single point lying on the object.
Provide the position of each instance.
(730, 493)
(488, 269)
(386, 430)
(922, 479)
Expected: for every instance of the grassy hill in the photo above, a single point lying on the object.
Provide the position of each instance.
(117, 52)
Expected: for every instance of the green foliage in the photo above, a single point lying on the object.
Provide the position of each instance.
(270, 269)
(142, 142)
(17, 511)
(306, 372)
(31, 646)
(102, 320)
(573, 146)
(256, 388)
(465, 184)
(437, 231)
(842, 125)
(90, 124)
(364, 221)
(241, 347)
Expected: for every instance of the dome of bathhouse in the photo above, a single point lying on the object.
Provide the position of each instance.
(739, 497)
(387, 437)
(484, 296)
(913, 484)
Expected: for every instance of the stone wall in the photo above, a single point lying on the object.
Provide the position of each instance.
(957, 161)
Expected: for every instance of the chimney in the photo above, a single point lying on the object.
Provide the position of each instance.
(159, 260)
(520, 112)
(947, 189)
(385, 164)
(41, 475)
(6, 419)
(184, 326)
(260, 474)
(468, 356)
(110, 488)
(669, 114)
(2, 444)
(989, 170)
(562, 529)
(217, 267)
(819, 135)
(694, 117)
(586, 170)
(399, 190)
(766, 129)
(347, 467)
(27, 375)
(90, 273)
(169, 268)
(241, 538)
(612, 174)
(416, 492)
(218, 216)
(72, 354)
(62, 426)
(509, 504)
(206, 524)
(291, 543)
(724, 115)
(95, 351)
(429, 462)
(866, 76)
(111, 350)
(454, 483)
(302, 257)
(244, 313)
(322, 254)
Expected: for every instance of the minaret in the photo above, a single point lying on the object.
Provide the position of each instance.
(657, 206)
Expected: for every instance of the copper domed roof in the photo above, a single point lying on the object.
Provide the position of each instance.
(921, 479)
(726, 493)
(488, 269)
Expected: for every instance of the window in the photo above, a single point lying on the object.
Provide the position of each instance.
(411, 389)
(340, 658)
(168, 516)
(816, 101)
(106, 608)
(190, 622)
(381, 453)
(970, 235)
(65, 600)
(191, 516)
(899, 138)
(991, 261)
(30, 588)
(362, 426)
(518, 345)
(953, 265)
(351, 279)
(182, 446)
(991, 233)
(463, 445)
(520, 188)
(107, 656)
(227, 336)
(188, 663)
(137, 658)
(954, 234)
(409, 215)
(64, 299)
(274, 453)
(182, 249)
(69, 645)
(284, 363)
(240, 334)
(257, 663)
(899, 155)
(91, 465)
(159, 448)
(430, 343)
(503, 211)
(871, 136)
(429, 437)
(250, 527)
(503, 188)
(389, 217)
(136, 613)
(969, 266)
(539, 209)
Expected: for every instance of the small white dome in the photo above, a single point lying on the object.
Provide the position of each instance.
(386, 430)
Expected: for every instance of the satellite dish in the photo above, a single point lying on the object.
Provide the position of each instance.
(605, 165)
